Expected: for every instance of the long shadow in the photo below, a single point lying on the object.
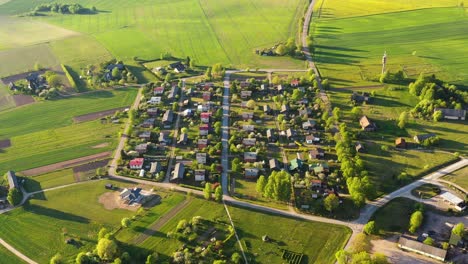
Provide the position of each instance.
(49, 212)
(333, 60)
(140, 254)
(338, 48)
(334, 54)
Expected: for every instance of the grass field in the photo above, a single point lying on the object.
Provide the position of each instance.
(6, 100)
(394, 217)
(39, 228)
(459, 177)
(6, 257)
(349, 43)
(49, 180)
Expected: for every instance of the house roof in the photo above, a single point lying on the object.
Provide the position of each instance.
(200, 172)
(183, 137)
(248, 127)
(420, 138)
(177, 65)
(274, 163)
(168, 116)
(399, 141)
(316, 152)
(203, 141)
(251, 172)
(137, 162)
(178, 172)
(12, 180)
(155, 167)
(308, 124)
(250, 155)
(451, 198)
(365, 122)
(290, 132)
(141, 147)
(452, 112)
(421, 247)
(145, 134)
(295, 164)
(249, 141)
(204, 127)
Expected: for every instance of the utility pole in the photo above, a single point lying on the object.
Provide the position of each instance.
(384, 62)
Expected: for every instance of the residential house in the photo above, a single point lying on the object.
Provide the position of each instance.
(453, 114)
(141, 148)
(146, 135)
(173, 92)
(359, 99)
(263, 88)
(247, 115)
(158, 90)
(246, 94)
(155, 100)
(290, 134)
(155, 168)
(186, 102)
(284, 109)
(134, 196)
(316, 184)
(251, 173)
(249, 142)
(311, 139)
(321, 167)
(207, 96)
(205, 117)
(250, 156)
(309, 124)
(163, 138)
(280, 88)
(187, 113)
(201, 157)
(360, 147)
(183, 139)
(274, 164)
(204, 129)
(295, 165)
(267, 109)
(148, 123)
(244, 104)
(152, 111)
(200, 175)
(189, 91)
(420, 138)
(178, 173)
(178, 67)
(400, 142)
(295, 83)
(366, 124)
(136, 164)
(248, 128)
(270, 135)
(244, 84)
(317, 153)
(12, 180)
(168, 117)
(409, 244)
(202, 143)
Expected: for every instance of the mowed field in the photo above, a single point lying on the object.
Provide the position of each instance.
(7, 257)
(459, 177)
(419, 36)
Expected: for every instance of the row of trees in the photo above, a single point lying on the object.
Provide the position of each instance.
(215, 73)
(64, 8)
(277, 187)
(359, 253)
(207, 192)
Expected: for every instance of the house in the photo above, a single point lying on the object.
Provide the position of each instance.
(250, 156)
(295, 164)
(400, 142)
(420, 138)
(168, 117)
(267, 109)
(12, 180)
(321, 167)
(248, 128)
(205, 117)
(155, 168)
(136, 164)
(146, 135)
(360, 147)
(189, 91)
(134, 196)
(152, 111)
(158, 90)
(284, 109)
(309, 124)
(251, 173)
(311, 139)
(246, 94)
(244, 84)
(244, 104)
(270, 136)
(306, 112)
(155, 100)
(290, 133)
(163, 138)
(316, 184)
(274, 164)
(207, 96)
(458, 203)
(187, 113)
(409, 244)
(247, 115)
(263, 88)
(173, 92)
(202, 143)
(295, 83)
(280, 88)
(359, 99)
(178, 67)
(204, 129)
(318, 153)
(183, 139)
(200, 175)
(366, 124)
(201, 158)
(178, 173)
(141, 148)
(148, 123)
(249, 142)
(452, 114)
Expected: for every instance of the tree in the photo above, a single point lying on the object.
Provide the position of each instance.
(369, 228)
(437, 116)
(281, 50)
(236, 258)
(37, 66)
(56, 259)
(251, 104)
(337, 113)
(152, 258)
(102, 233)
(106, 249)
(15, 196)
(217, 70)
(115, 73)
(356, 112)
(175, 105)
(261, 183)
(54, 80)
(384, 77)
(428, 241)
(326, 84)
(360, 243)
(278, 186)
(403, 119)
(207, 191)
(82, 258)
(126, 222)
(459, 230)
(208, 74)
(379, 258)
(415, 221)
(218, 194)
(331, 202)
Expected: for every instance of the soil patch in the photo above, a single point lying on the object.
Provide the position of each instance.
(111, 201)
(96, 115)
(103, 145)
(22, 99)
(66, 164)
(91, 165)
(5, 143)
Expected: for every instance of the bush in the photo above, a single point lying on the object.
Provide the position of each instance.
(369, 228)
(15, 196)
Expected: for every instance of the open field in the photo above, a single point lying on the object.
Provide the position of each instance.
(55, 114)
(39, 228)
(394, 216)
(349, 50)
(6, 100)
(459, 177)
(7, 257)
(56, 145)
(49, 180)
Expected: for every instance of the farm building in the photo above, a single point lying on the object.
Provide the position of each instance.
(366, 124)
(421, 248)
(421, 138)
(178, 173)
(453, 114)
(400, 142)
(12, 180)
(457, 202)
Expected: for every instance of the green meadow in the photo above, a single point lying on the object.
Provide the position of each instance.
(418, 36)
(49, 180)
(7, 257)
(22, 59)
(6, 100)
(459, 177)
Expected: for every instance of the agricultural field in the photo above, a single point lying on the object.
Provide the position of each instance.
(418, 36)
(7, 257)
(459, 177)
(49, 180)
(40, 227)
(6, 100)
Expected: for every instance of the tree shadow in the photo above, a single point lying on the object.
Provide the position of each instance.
(49, 212)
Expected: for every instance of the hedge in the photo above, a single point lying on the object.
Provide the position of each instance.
(70, 78)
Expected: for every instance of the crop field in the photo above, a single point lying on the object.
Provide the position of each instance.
(54, 114)
(55, 145)
(49, 180)
(349, 45)
(39, 228)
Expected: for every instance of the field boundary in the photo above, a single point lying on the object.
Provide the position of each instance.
(96, 115)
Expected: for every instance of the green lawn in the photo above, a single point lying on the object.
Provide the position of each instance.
(426, 191)
(7, 257)
(39, 228)
(54, 114)
(245, 190)
(394, 217)
(459, 177)
(349, 49)
(49, 180)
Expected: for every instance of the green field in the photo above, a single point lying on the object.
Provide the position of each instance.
(39, 228)
(6, 257)
(459, 177)
(394, 217)
(349, 42)
(6, 100)
(48, 180)
(22, 59)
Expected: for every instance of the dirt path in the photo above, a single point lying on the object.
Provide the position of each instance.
(66, 164)
(16, 252)
(156, 226)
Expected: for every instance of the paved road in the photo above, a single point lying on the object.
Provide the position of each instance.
(225, 134)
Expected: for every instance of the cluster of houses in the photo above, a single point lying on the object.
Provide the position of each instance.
(176, 67)
(35, 83)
